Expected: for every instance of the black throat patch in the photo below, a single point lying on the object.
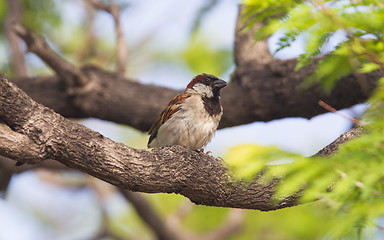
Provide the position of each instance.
(212, 105)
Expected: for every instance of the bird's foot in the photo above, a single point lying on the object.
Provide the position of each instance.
(202, 151)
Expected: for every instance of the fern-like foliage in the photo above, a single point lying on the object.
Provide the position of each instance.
(349, 183)
(361, 21)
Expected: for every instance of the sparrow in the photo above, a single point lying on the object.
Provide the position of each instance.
(191, 118)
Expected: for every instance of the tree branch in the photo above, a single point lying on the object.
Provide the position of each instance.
(152, 219)
(246, 48)
(106, 97)
(161, 228)
(114, 10)
(9, 165)
(69, 73)
(17, 57)
(259, 91)
(333, 147)
(201, 178)
(208, 6)
(138, 105)
(231, 226)
(18, 146)
(99, 5)
(5, 178)
(39, 134)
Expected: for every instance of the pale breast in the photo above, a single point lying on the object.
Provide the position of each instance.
(191, 126)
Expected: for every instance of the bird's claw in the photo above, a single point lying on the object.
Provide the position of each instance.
(202, 151)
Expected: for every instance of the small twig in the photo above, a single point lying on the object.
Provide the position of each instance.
(230, 227)
(90, 37)
(17, 57)
(149, 216)
(333, 110)
(121, 46)
(114, 10)
(380, 227)
(203, 11)
(36, 44)
(99, 5)
(174, 219)
(102, 190)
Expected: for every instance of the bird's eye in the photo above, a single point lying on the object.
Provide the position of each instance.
(206, 81)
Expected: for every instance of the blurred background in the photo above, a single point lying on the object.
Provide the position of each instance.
(168, 42)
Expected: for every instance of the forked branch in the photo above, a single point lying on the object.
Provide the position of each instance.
(201, 178)
(44, 134)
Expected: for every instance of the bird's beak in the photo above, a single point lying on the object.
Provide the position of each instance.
(219, 84)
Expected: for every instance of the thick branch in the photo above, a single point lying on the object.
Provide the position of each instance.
(246, 48)
(247, 100)
(43, 134)
(260, 91)
(8, 165)
(334, 146)
(18, 146)
(106, 97)
(201, 178)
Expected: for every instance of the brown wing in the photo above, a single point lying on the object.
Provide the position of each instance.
(173, 106)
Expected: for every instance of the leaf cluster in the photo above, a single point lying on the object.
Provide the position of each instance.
(361, 23)
(349, 183)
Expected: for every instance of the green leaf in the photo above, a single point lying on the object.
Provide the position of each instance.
(329, 70)
(368, 67)
(246, 161)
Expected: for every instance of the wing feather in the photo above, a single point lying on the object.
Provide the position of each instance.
(173, 106)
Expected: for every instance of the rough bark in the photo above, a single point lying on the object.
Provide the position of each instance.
(261, 88)
(245, 48)
(252, 99)
(334, 146)
(106, 97)
(39, 134)
(36, 134)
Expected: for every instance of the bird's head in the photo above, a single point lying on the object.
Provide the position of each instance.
(206, 85)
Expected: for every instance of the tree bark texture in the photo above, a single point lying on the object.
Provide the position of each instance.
(260, 89)
(253, 95)
(37, 133)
